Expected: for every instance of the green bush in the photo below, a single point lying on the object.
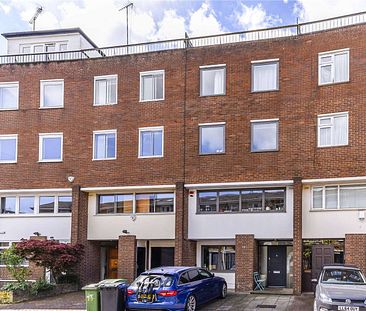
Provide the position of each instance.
(40, 286)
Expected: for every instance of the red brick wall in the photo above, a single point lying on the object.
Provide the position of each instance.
(355, 250)
(246, 262)
(127, 252)
(297, 236)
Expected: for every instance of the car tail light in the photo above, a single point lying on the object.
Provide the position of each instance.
(130, 292)
(167, 293)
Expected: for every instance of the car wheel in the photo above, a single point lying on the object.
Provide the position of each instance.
(191, 304)
(223, 293)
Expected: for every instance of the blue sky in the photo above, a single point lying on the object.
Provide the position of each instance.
(158, 19)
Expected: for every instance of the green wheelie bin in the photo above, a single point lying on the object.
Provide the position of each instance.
(92, 300)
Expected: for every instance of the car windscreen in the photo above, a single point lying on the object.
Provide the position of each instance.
(158, 280)
(343, 276)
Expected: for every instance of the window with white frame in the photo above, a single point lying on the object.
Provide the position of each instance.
(333, 129)
(9, 96)
(52, 93)
(212, 80)
(218, 257)
(105, 90)
(212, 138)
(152, 85)
(151, 142)
(265, 75)
(264, 135)
(105, 145)
(30, 204)
(339, 197)
(8, 148)
(50, 147)
(333, 67)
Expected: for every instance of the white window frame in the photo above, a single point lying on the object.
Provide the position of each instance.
(11, 84)
(331, 116)
(208, 68)
(338, 208)
(96, 78)
(147, 73)
(265, 62)
(331, 54)
(40, 151)
(50, 82)
(36, 196)
(16, 147)
(115, 144)
(252, 122)
(215, 124)
(151, 129)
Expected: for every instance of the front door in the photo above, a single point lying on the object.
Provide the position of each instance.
(276, 266)
(112, 262)
(321, 255)
(141, 260)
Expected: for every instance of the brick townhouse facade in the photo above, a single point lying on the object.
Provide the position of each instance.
(241, 157)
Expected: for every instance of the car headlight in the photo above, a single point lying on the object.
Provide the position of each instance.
(325, 299)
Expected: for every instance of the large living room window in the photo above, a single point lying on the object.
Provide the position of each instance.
(136, 203)
(50, 147)
(105, 90)
(265, 75)
(8, 148)
(212, 80)
(264, 135)
(104, 145)
(52, 93)
(333, 129)
(339, 197)
(242, 201)
(218, 258)
(151, 142)
(152, 85)
(334, 67)
(212, 138)
(9, 96)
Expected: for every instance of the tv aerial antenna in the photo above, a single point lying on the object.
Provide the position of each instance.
(127, 7)
(32, 21)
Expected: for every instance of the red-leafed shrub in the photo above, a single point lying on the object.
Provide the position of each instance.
(59, 258)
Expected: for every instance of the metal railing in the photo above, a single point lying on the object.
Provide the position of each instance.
(226, 38)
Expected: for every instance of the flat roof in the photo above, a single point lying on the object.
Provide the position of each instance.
(50, 32)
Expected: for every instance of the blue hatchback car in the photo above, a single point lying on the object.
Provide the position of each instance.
(174, 288)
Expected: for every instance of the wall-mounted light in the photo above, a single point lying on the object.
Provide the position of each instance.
(36, 233)
(3, 232)
(70, 178)
(125, 231)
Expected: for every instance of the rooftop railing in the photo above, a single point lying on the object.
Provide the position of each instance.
(187, 42)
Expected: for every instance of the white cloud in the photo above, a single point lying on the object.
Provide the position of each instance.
(255, 17)
(204, 21)
(171, 26)
(309, 10)
(5, 8)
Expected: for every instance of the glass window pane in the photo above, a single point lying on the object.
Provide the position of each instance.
(26, 205)
(159, 89)
(218, 258)
(325, 59)
(264, 136)
(101, 92)
(212, 81)
(252, 200)
(105, 146)
(9, 97)
(46, 204)
(331, 197)
(341, 67)
(265, 77)
(51, 148)
(125, 203)
(106, 204)
(158, 143)
(65, 204)
(52, 95)
(207, 201)
(8, 149)
(212, 139)
(326, 74)
(147, 87)
(111, 146)
(325, 121)
(340, 132)
(274, 199)
(164, 203)
(145, 203)
(63, 47)
(229, 201)
(325, 136)
(317, 197)
(112, 91)
(8, 205)
(352, 196)
(147, 146)
(26, 49)
(38, 48)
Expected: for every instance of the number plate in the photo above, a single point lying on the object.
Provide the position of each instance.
(146, 297)
(348, 308)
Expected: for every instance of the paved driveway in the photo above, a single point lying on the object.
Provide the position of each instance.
(234, 302)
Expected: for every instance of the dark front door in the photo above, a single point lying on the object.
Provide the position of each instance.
(321, 255)
(162, 256)
(141, 260)
(276, 266)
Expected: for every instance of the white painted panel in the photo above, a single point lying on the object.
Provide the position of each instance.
(226, 226)
(16, 228)
(228, 276)
(145, 226)
(328, 224)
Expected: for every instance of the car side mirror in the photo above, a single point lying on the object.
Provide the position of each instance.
(314, 281)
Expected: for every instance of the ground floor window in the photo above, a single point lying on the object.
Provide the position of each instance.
(162, 256)
(218, 258)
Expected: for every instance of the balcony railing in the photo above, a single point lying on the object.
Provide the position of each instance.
(183, 43)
